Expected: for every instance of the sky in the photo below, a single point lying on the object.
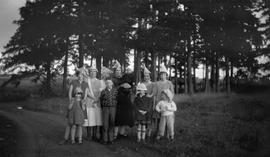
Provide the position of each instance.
(9, 11)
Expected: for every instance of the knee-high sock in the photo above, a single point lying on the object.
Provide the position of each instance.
(139, 132)
(143, 132)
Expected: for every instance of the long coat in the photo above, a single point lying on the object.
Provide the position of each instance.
(124, 110)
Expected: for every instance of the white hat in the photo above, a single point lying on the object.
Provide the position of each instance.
(141, 86)
(117, 65)
(163, 69)
(146, 71)
(168, 93)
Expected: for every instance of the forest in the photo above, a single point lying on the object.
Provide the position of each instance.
(227, 35)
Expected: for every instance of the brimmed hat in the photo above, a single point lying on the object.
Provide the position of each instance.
(163, 69)
(141, 86)
(168, 93)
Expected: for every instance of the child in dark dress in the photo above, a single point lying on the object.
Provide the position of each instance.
(143, 106)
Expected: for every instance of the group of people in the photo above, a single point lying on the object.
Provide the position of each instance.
(107, 107)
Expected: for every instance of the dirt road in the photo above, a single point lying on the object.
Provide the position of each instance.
(39, 134)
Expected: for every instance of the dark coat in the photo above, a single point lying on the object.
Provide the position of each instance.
(124, 110)
(142, 103)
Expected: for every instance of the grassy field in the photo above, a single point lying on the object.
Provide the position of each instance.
(206, 125)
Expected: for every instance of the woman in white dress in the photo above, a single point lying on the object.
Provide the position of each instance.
(94, 113)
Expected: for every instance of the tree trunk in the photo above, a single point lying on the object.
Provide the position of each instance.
(207, 85)
(154, 65)
(98, 65)
(81, 51)
(185, 79)
(189, 61)
(213, 79)
(64, 87)
(217, 74)
(228, 86)
(91, 61)
(231, 78)
(137, 64)
(170, 67)
(194, 75)
(48, 78)
(175, 76)
(159, 62)
(181, 76)
(105, 61)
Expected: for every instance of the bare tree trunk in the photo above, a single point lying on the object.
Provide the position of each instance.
(137, 66)
(213, 79)
(154, 65)
(189, 61)
(181, 76)
(231, 78)
(170, 67)
(228, 86)
(159, 62)
(81, 51)
(207, 85)
(48, 78)
(64, 86)
(185, 79)
(194, 75)
(98, 64)
(175, 77)
(217, 74)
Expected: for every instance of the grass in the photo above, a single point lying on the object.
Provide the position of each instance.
(206, 125)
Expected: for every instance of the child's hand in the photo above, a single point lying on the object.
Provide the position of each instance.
(142, 112)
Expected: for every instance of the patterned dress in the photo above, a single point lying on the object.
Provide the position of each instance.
(76, 115)
(93, 108)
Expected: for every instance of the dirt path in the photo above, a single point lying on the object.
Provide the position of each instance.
(39, 134)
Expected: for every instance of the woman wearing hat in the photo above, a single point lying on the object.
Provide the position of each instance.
(78, 83)
(124, 109)
(161, 85)
(94, 113)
